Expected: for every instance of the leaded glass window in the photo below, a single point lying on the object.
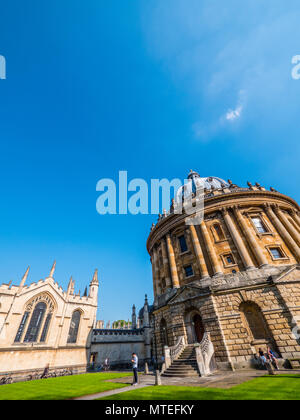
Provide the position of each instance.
(21, 327)
(74, 327)
(35, 323)
(46, 328)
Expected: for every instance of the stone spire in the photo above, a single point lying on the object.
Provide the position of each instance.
(95, 280)
(133, 326)
(23, 281)
(94, 286)
(146, 313)
(52, 270)
(71, 287)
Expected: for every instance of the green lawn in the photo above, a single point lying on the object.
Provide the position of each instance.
(279, 387)
(61, 388)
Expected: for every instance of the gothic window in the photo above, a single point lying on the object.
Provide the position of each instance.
(35, 323)
(46, 328)
(21, 327)
(182, 243)
(74, 327)
(189, 272)
(259, 225)
(218, 232)
(255, 320)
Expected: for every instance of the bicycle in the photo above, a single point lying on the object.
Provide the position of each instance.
(5, 380)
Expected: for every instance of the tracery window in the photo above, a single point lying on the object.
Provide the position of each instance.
(74, 327)
(38, 313)
(21, 327)
(35, 323)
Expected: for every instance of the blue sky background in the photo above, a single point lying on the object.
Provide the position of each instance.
(154, 87)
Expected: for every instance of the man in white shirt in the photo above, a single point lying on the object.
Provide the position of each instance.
(135, 362)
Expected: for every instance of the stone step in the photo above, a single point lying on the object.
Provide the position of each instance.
(182, 367)
(185, 362)
(190, 369)
(180, 375)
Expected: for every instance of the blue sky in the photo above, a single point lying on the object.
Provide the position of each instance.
(154, 87)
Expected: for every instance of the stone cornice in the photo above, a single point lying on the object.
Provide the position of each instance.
(241, 198)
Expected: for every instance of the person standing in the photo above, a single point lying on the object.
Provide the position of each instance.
(135, 362)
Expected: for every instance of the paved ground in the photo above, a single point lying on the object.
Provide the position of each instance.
(223, 380)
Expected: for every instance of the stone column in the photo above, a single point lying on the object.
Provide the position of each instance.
(288, 225)
(172, 260)
(283, 233)
(296, 217)
(238, 241)
(210, 249)
(261, 258)
(155, 272)
(166, 264)
(199, 253)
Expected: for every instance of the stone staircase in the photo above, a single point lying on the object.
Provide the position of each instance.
(185, 365)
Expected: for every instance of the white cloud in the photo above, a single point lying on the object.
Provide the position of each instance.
(232, 115)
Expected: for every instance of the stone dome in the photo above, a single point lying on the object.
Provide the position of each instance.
(208, 183)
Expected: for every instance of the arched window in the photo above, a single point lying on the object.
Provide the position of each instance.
(218, 232)
(255, 320)
(164, 333)
(74, 327)
(35, 323)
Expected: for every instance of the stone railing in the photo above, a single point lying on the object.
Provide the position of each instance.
(205, 356)
(171, 353)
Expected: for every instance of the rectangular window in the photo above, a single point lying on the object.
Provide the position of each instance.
(183, 244)
(259, 225)
(189, 272)
(276, 253)
(229, 259)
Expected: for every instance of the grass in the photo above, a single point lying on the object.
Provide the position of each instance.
(279, 387)
(61, 388)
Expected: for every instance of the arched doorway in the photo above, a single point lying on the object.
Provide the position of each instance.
(198, 328)
(194, 326)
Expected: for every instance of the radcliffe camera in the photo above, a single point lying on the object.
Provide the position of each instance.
(150, 218)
